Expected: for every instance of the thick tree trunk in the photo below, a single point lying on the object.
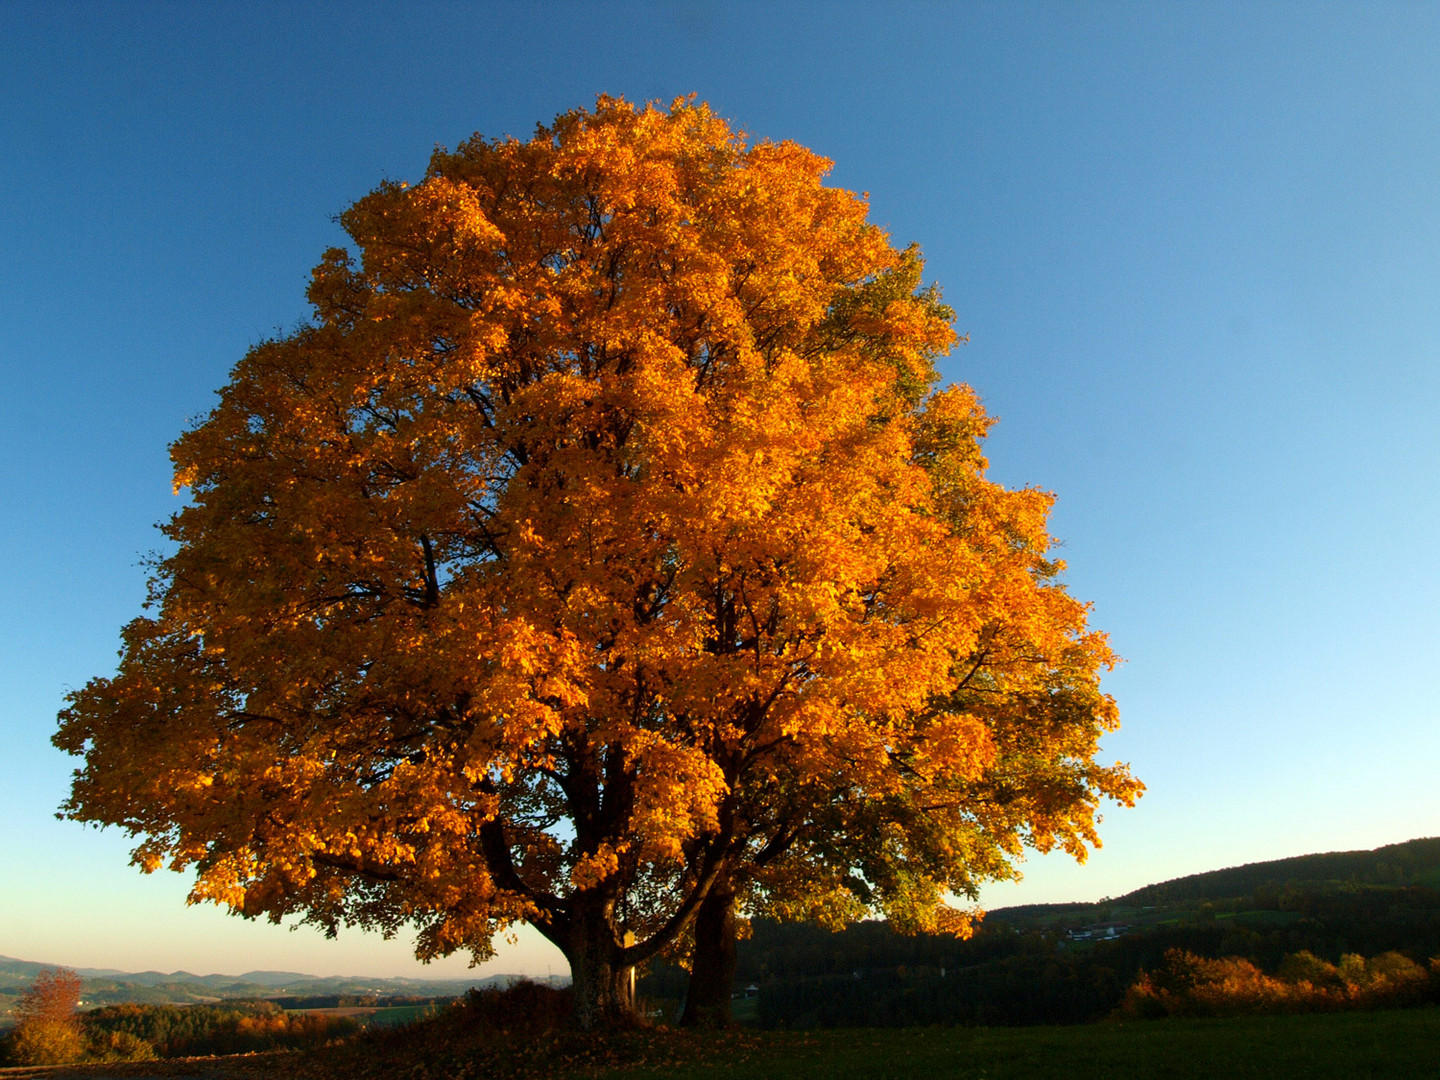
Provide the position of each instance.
(712, 966)
(604, 990)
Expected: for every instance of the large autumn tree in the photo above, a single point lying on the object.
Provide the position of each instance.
(602, 541)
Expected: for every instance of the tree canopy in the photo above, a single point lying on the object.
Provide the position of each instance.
(603, 536)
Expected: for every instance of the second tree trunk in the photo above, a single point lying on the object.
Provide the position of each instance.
(712, 966)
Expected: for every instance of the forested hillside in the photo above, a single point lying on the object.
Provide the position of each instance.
(107, 986)
(1066, 963)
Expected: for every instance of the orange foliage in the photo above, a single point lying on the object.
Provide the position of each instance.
(48, 1032)
(54, 995)
(604, 533)
(1190, 985)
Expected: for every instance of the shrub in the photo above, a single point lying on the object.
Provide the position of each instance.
(521, 1006)
(1190, 985)
(45, 1042)
(118, 1046)
(1306, 967)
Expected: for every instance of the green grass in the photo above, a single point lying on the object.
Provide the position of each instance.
(1396, 1043)
(1262, 917)
(745, 1010)
(1353, 1046)
(398, 1014)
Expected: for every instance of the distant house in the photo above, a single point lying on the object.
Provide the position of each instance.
(1099, 932)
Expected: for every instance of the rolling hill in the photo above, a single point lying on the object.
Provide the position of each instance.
(107, 986)
(1066, 963)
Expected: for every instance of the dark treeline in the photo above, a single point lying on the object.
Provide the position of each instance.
(1028, 970)
(350, 1001)
(233, 1028)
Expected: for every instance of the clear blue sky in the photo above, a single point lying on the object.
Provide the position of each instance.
(1196, 248)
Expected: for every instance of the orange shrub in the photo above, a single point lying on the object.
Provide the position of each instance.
(1190, 985)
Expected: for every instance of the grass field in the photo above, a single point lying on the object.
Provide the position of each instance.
(1353, 1046)
(1397, 1043)
(399, 1014)
(1400, 1044)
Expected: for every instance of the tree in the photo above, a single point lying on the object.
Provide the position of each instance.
(921, 828)
(585, 529)
(48, 1032)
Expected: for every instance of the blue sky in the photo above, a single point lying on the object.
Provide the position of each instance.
(1196, 249)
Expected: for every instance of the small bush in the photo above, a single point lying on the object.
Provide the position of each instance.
(1306, 967)
(118, 1046)
(45, 1042)
(521, 1006)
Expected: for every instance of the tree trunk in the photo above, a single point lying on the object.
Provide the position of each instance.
(712, 965)
(604, 990)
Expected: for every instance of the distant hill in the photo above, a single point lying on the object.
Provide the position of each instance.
(1415, 862)
(1070, 963)
(274, 978)
(108, 986)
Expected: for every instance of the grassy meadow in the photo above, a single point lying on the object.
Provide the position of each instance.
(1394, 1043)
(1350, 1045)
(1400, 1043)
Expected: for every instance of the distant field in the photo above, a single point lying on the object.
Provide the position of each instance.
(399, 1014)
(373, 1016)
(1336, 1046)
